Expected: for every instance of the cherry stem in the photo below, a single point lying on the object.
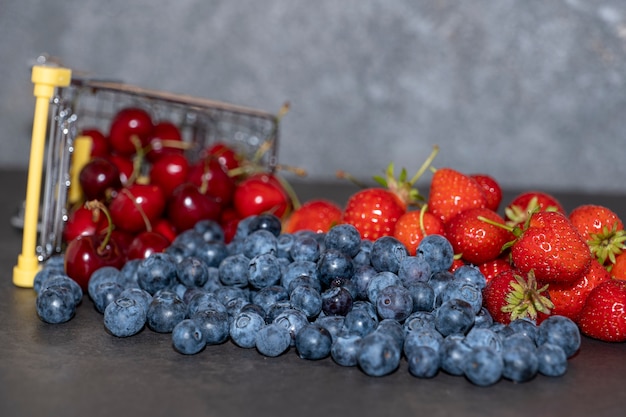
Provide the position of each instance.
(141, 212)
(96, 205)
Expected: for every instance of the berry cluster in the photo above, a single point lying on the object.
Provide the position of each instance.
(361, 302)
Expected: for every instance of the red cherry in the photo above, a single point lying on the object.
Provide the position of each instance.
(212, 179)
(130, 129)
(83, 222)
(261, 193)
(165, 227)
(85, 254)
(225, 155)
(164, 139)
(229, 220)
(169, 171)
(99, 143)
(145, 244)
(98, 178)
(136, 207)
(188, 205)
(123, 240)
(125, 167)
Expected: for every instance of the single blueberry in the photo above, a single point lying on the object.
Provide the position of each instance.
(520, 364)
(307, 299)
(313, 342)
(438, 282)
(268, 296)
(344, 238)
(422, 337)
(480, 336)
(210, 230)
(284, 245)
(103, 274)
(483, 318)
(364, 255)
(378, 282)
(359, 322)
(140, 296)
(273, 340)
(265, 221)
(453, 354)
(165, 311)
(214, 325)
(394, 302)
(55, 304)
(65, 281)
(264, 271)
(128, 273)
(419, 320)
(334, 324)
(361, 277)
(388, 253)
(515, 340)
(125, 317)
(296, 269)
(423, 296)
(292, 320)
(560, 331)
(187, 337)
(192, 272)
(105, 293)
(454, 316)
(345, 348)
(156, 272)
(212, 253)
(244, 328)
(437, 251)
(463, 291)
(414, 269)
(526, 327)
(305, 248)
(189, 241)
(379, 354)
(470, 274)
(552, 360)
(234, 270)
(334, 264)
(336, 301)
(259, 242)
(424, 362)
(484, 366)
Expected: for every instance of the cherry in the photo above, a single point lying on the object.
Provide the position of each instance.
(164, 139)
(188, 205)
(169, 171)
(82, 221)
(229, 219)
(136, 207)
(165, 227)
(225, 154)
(130, 130)
(98, 178)
(145, 244)
(87, 253)
(125, 167)
(100, 147)
(212, 179)
(261, 193)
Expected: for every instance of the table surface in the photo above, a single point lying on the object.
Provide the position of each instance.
(78, 369)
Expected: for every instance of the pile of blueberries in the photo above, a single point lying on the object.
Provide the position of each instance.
(362, 303)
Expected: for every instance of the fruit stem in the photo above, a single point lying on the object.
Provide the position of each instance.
(426, 165)
(344, 175)
(139, 209)
(97, 206)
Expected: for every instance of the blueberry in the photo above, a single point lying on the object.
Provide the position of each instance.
(292, 320)
(307, 299)
(438, 281)
(204, 301)
(313, 342)
(212, 253)
(552, 360)
(104, 274)
(305, 248)
(560, 331)
(156, 272)
(345, 348)
(419, 320)
(65, 281)
(361, 277)
(213, 281)
(424, 362)
(187, 337)
(336, 301)
(243, 228)
(264, 271)
(284, 244)
(525, 327)
(334, 264)
(192, 272)
(43, 275)
(344, 238)
(393, 329)
(378, 282)
(454, 316)
(141, 297)
(334, 324)
(520, 364)
(210, 230)
(483, 366)
(267, 296)
(387, 254)
(177, 252)
(259, 242)
(463, 291)
(422, 337)
(347, 284)
(394, 302)
(213, 324)
(244, 328)
(165, 311)
(423, 296)
(437, 251)
(483, 318)
(479, 336)
(234, 305)
(296, 269)
(273, 340)
(276, 310)
(234, 270)
(189, 241)
(105, 293)
(414, 269)
(379, 354)
(364, 255)
(304, 280)
(55, 304)
(453, 354)
(55, 262)
(359, 322)
(128, 273)
(265, 221)
(470, 274)
(125, 317)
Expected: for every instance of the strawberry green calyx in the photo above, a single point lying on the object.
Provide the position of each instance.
(518, 214)
(607, 244)
(525, 300)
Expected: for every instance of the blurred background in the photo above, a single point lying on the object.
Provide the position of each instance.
(531, 92)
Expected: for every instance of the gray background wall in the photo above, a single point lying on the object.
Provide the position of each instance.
(532, 92)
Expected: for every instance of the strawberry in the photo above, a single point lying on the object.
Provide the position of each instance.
(509, 296)
(317, 215)
(413, 225)
(491, 188)
(494, 267)
(602, 229)
(452, 192)
(551, 246)
(569, 299)
(523, 205)
(474, 239)
(618, 269)
(604, 315)
(374, 212)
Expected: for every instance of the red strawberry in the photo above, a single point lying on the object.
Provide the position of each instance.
(474, 239)
(413, 225)
(509, 296)
(316, 215)
(552, 247)
(494, 267)
(452, 192)
(520, 208)
(569, 299)
(374, 212)
(604, 315)
(618, 269)
(491, 188)
(602, 229)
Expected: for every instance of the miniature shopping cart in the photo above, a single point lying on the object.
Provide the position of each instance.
(66, 104)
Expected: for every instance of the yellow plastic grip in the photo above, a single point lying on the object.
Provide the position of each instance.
(80, 156)
(46, 79)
